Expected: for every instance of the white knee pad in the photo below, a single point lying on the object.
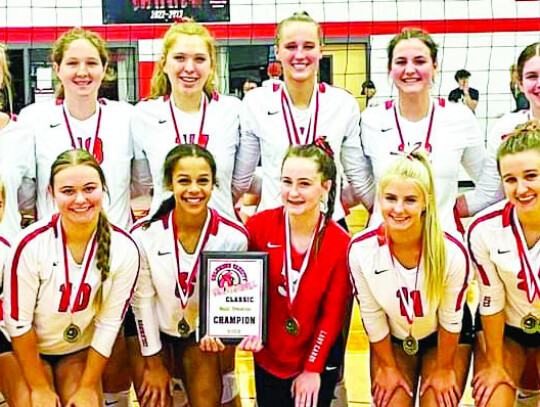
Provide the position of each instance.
(230, 387)
(120, 399)
(527, 398)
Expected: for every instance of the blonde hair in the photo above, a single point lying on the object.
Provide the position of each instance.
(6, 86)
(525, 137)
(416, 168)
(160, 84)
(62, 43)
(299, 16)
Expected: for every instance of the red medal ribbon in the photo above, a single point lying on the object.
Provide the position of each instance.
(290, 125)
(92, 146)
(202, 139)
(427, 145)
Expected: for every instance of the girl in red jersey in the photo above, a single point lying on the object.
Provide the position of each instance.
(68, 283)
(308, 288)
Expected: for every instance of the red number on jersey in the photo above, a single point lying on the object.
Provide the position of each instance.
(416, 299)
(81, 302)
(98, 149)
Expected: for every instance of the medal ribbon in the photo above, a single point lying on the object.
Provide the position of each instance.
(201, 138)
(183, 288)
(92, 140)
(292, 131)
(87, 261)
(426, 143)
(406, 300)
(287, 262)
(532, 279)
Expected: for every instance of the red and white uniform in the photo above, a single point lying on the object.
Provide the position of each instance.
(455, 138)
(16, 149)
(488, 189)
(319, 305)
(105, 134)
(386, 290)
(507, 275)
(168, 288)
(270, 124)
(158, 130)
(35, 296)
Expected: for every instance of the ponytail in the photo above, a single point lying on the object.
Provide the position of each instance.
(103, 237)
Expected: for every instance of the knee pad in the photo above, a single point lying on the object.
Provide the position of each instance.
(120, 399)
(527, 398)
(230, 387)
(178, 393)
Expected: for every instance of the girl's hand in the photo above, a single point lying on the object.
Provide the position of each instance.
(486, 381)
(444, 384)
(155, 386)
(85, 397)
(211, 344)
(251, 344)
(44, 397)
(305, 389)
(386, 382)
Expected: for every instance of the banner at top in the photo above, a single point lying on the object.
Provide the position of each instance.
(163, 11)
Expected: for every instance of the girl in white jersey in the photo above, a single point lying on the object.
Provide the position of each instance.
(15, 144)
(185, 108)
(503, 242)
(489, 188)
(448, 131)
(298, 111)
(68, 284)
(410, 279)
(166, 304)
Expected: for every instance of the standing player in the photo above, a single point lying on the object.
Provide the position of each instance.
(489, 188)
(166, 302)
(78, 119)
(297, 112)
(68, 283)
(308, 288)
(503, 242)
(410, 280)
(448, 131)
(184, 108)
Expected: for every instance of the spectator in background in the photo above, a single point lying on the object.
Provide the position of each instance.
(274, 74)
(463, 93)
(369, 90)
(249, 84)
(519, 97)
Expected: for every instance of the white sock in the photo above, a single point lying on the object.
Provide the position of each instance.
(527, 398)
(179, 395)
(230, 387)
(120, 399)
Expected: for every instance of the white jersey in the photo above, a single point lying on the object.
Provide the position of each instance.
(385, 289)
(154, 127)
(455, 139)
(16, 149)
(4, 252)
(494, 239)
(165, 296)
(268, 128)
(489, 187)
(36, 296)
(106, 133)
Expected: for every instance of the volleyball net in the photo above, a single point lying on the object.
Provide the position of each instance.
(482, 36)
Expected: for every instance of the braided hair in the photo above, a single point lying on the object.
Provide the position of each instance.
(71, 158)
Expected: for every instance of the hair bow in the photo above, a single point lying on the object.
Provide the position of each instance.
(324, 146)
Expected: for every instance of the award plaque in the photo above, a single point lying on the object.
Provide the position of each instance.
(233, 295)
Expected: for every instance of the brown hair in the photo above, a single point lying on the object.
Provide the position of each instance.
(410, 33)
(160, 84)
(529, 52)
(72, 158)
(525, 137)
(299, 16)
(62, 43)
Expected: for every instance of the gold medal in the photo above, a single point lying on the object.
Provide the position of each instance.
(410, 345)
(291, 326)
(183, 328)
(72, 333)
(529, 324)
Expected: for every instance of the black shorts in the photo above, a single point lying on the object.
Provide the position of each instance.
(469, 326)
(5, 344)
(524, 339)
(54, 359)
(129, 325)
(424, 344)
(174, 340)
